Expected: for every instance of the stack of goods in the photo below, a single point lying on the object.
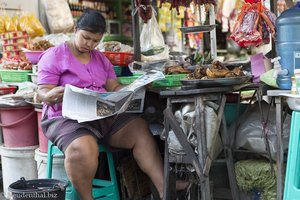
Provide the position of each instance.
(33, 53)
(16, 63)
(13, 42)
(13, 58)
(41, 45)
(118, 54)
(15, 33)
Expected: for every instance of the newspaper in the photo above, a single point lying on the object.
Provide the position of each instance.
(83, 105)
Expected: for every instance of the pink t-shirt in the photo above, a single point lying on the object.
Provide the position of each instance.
(58, 66)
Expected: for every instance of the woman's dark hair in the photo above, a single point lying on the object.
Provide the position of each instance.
(92, 21)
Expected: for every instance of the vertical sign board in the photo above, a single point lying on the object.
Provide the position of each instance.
(296, 62)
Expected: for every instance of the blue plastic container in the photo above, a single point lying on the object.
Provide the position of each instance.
(284, 82)
(288, 37)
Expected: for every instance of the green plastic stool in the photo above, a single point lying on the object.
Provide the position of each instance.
(102, 189)
(292, 177)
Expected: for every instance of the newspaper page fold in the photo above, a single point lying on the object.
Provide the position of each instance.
(83, 105)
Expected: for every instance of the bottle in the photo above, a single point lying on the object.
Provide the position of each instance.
(288, 37)
(297, 83)
(293, 89)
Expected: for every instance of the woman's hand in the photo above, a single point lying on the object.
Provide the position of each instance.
(51, 94)
(113, 85)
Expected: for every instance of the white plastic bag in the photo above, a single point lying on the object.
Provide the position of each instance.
(151, 39)
(59, 16)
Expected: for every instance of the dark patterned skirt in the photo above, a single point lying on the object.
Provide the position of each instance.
(62, 131)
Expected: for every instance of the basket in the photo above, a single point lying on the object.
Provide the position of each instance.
(125, 80)
(169, 81)
(15, 75)
(119, 58)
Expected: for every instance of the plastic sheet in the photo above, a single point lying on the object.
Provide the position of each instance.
(186, 117)
(250, 133)
(59, 16)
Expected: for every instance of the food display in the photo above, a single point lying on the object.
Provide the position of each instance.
(114, 46)
(16, 63)
(176, 69)
(216, 70)
(41, 45)
(119, 54)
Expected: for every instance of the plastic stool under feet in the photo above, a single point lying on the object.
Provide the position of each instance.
(102, 189)
(292, 177)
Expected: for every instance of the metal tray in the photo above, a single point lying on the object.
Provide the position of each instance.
(217, 81)
(197, 29)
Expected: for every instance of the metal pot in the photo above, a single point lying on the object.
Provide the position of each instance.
(176, 55)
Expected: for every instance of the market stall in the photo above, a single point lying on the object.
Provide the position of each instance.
(199, 104)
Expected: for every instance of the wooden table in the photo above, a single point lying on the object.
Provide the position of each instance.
(202, 161)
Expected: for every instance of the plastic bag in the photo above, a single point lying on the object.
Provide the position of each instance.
(250, 132)
(151, 39)
(268, 78)
(30, 24)
(9, 24)
(16, 22)
(59, 16)
(2, 24)
(186, 117)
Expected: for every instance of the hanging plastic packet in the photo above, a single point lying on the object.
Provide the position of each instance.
(9, 24)
(152, 42)
(16, 22)
(254, 25)
(30, 24)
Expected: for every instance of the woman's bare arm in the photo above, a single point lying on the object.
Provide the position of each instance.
(113, 85)
(50, 94)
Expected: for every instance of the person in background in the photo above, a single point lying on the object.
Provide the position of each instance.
(76, 62)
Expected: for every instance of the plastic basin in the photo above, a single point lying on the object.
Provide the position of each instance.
(33, 56)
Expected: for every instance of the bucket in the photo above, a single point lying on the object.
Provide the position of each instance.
(19, 125)
(16, 163)
(43, 140)
(39, 189)
(58, 168)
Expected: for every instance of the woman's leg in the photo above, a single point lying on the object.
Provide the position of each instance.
(136, 136)
(81, 162)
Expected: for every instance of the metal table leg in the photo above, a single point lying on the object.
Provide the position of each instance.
(279, 155)
(201, 137)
